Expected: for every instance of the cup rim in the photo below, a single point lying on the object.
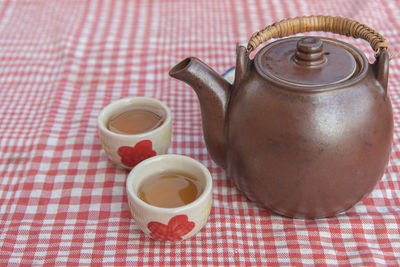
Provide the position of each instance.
(203, 196)
(126, 100)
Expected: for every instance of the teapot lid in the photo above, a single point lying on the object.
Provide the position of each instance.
(309, 62)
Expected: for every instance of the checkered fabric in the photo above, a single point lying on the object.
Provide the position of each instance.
(62, 202)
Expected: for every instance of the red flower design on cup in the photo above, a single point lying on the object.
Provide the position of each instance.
(177, 227)
(130, 156)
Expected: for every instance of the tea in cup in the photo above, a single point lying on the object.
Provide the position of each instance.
(170, 189)
(133, 129)
(170, 196)
(136, 120)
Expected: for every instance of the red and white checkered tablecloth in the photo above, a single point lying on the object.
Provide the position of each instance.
(62, 202)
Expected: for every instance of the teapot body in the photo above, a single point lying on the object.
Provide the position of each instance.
(306, 128)
(308, 154)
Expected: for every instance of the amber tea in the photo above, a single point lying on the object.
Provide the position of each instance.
(136, 121)
(170, 189)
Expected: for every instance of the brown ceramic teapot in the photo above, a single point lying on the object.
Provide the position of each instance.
(306, 128)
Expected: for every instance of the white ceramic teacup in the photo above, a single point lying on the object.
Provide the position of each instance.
(127, 150)
(169, 224)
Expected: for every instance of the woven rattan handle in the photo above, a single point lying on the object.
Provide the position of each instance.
(338, 25)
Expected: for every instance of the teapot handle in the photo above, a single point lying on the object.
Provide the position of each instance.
(338, 25)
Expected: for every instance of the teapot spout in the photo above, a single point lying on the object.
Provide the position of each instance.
(213, 93)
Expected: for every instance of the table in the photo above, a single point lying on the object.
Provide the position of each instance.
(63, 203)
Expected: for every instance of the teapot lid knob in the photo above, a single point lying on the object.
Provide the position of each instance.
(309, 52)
